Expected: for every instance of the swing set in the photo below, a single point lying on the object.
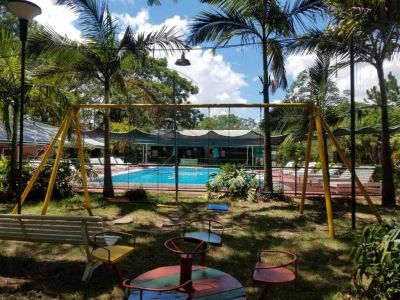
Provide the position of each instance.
(316, 122)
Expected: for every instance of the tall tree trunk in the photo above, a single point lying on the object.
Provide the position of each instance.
(14, 148)
(268, 185)
(388, 190)
(108, 189)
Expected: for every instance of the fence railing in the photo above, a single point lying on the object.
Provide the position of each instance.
(287, 180)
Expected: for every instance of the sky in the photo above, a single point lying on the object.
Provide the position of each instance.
(228, 76)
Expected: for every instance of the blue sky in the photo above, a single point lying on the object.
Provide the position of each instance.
(231, 76)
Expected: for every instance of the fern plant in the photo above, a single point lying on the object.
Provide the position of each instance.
(233, 181)
(377, 261)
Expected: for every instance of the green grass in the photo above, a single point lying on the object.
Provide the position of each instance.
(34, 271)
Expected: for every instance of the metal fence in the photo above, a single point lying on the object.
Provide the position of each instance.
(287, 180)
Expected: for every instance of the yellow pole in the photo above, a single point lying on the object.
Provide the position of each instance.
(348, 166)
(81, 157)
(308, 154)
(56, 163)
(323, 158)
(183, 106)
(40, 167)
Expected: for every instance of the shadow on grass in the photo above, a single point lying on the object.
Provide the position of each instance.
(50, 279)
(324, 266)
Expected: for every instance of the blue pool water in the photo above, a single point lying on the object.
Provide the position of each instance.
(166, 175)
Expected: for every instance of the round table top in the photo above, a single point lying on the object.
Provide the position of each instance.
(208, 283)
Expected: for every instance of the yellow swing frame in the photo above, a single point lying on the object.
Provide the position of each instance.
(316, 120)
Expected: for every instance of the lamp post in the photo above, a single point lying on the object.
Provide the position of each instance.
(352, 138)
(25, 12)
(183, 62)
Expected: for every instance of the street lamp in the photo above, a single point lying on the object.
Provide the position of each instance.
(183, 62)
(25, 11)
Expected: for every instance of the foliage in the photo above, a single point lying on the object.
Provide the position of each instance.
(63, 186)
(393, 91)
(396, 159)
(136, 195)
(224, 122)
(233, 181)
(290, 150)
(4, 171)
(377, 261)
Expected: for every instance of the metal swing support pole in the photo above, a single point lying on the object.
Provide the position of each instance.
(323, 158)
(348, 166)
(75, 115)
(56, 163)
(46, 156)
(308, 155)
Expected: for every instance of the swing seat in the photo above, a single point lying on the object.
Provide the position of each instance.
(218, 207)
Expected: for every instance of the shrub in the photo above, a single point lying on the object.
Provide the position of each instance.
(377, 261)
(136, 195)
(233, 181)
(62, 187)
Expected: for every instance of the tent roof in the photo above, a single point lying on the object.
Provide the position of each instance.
(189, 138)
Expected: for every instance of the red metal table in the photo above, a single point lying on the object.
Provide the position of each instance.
(208, 283)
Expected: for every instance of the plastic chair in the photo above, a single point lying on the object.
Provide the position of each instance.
(111, 254)
(272, 269)
(144, 293)
(207, 230)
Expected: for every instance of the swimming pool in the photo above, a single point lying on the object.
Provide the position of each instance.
(166, 175)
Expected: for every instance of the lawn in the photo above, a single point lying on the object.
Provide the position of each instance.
(47, 271)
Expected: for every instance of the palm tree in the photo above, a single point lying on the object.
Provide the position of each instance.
(9, 93)
(264, 22)
(100, 56)
(313, 86)
(373, 26)
(37, 91)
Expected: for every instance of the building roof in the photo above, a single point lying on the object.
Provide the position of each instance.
(34, 133)
(37, 133)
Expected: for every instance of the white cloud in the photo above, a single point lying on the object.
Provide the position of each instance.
(60, 18)
(365, 74)
(365, 77)
(217, 82)
(297, 63)
(136, 22)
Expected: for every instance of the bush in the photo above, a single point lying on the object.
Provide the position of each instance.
(136, 195)
(233, 181)
(62, 187)
(377, 261)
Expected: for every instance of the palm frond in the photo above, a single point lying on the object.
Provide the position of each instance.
(166, 39)
(95, 19)
(220, 26)
(277, 60)
(305, 10)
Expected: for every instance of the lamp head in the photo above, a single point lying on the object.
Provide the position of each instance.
(23, 9)
(183, 61)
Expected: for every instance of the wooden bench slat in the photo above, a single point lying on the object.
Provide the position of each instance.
(50, 227)
(46, 217)
(52, 221)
